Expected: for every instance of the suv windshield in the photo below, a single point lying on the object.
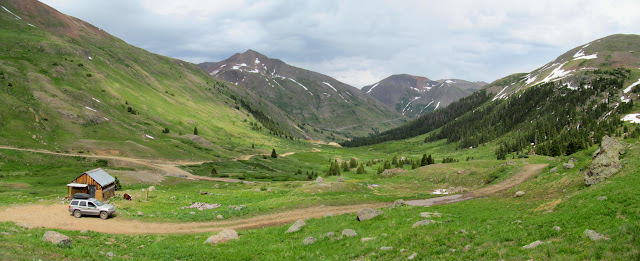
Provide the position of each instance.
(97, 202)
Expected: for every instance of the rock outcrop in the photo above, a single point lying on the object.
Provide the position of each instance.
(296, 226)
(606, 163)
(56, 238)
(368, 213)
(224, 236)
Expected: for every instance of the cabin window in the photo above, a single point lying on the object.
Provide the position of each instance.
(83, 203)
(74, 203)
(91, 205)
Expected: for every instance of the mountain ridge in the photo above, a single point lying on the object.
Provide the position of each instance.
(413, 95)
(312, 98)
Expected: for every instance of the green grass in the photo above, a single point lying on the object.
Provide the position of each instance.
(493, 230)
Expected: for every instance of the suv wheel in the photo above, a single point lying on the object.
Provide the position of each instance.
(77, 213)
(104, 215)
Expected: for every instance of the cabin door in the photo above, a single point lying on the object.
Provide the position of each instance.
(92, 191)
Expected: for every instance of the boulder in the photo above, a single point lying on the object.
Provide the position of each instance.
(424, 222)
(511, 163)
(568, 165)
(331, 234)
(397, 203)
(553, 170)
(140, 213)
(466, 248)
(56, 238)
(385, 248)
(296, 226)
(518, 194)
(224, 236)
(533, 244)
(319, 180)
(368, 213)
(219, 216)
(557, 228)
(152, 188)
(340, 179)
(606, 163)
(413, 256)
(593, 235)
(203, 206)
(430, 214)
(111, 254)
(601, 198)
(309, 241)
(365, 239)
(349, 233)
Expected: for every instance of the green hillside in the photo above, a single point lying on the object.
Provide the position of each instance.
(68, 86)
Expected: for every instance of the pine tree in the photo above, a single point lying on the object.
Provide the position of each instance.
(387, 165)
(430, 160)
(424, 161)
(394, 161)
(353, 163)
(273, 154)
(117, 184)
(360, 169)
(195, 130)
(214, 172)
(345, 166)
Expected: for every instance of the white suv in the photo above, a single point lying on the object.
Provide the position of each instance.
(82, 204)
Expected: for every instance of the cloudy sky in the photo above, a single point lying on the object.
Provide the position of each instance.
(361, 42)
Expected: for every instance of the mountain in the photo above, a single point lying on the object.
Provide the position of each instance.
(415, 95)
(575, 65)
(66, 85)
(563, 107)
(309, 97)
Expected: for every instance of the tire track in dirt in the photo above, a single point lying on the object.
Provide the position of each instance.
(527, 172)
(57, 216)
(169, 168)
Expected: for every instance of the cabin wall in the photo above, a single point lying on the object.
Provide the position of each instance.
(101, 193)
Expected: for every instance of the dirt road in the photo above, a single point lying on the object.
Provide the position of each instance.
(527, 172)
(169, 168)
(57, 216)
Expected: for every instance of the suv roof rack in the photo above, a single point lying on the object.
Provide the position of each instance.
(81, 196)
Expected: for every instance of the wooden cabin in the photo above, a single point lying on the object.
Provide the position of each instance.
(97, 183)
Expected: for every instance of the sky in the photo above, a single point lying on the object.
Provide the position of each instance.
(360, 42)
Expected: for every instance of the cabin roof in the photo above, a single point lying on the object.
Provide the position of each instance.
(100, 176)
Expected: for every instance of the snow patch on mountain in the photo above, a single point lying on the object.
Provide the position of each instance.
(90, 109)
(17, 17)
(425, 107)
(305, 87)
(257, 61)
(628, 89)
(96, 100)
(215, 72)
(409, 103)
(369, 91)
(557, 74)
(625, 99)
(633, 118)
(330, 86)
(437, 105)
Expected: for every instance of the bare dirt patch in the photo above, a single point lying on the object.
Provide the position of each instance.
(527, 172)
(56, 216)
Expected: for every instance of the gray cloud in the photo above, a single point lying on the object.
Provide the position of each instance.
(361, 42)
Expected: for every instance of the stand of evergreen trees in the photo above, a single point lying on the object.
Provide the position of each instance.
(425, 123)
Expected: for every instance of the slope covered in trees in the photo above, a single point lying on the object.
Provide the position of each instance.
(425, 123)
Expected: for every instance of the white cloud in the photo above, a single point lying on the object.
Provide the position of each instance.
(360, 42)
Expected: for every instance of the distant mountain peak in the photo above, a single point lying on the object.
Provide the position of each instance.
(309, 97)
(413, 95)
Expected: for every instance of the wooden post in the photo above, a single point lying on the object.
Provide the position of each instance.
(147, 195)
